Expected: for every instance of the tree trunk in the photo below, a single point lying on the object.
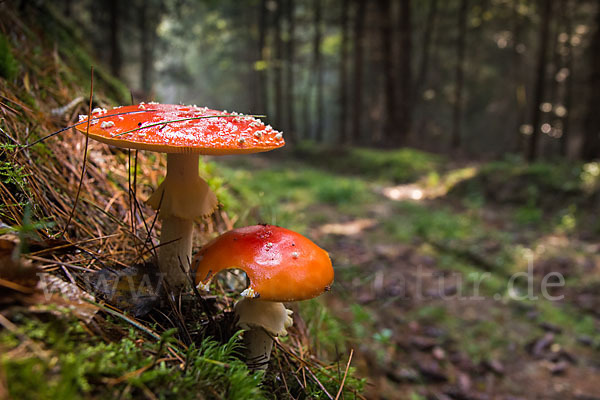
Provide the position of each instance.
(432, 80)
(290, 126)
(318, 70)
(564, 139)
(359, 32)
(532, 151)
(390, 127)
(554, 94)
(262, 96)
(146, 42)
(426, 47)
(67, 8)
(115, 49)
(591, 138)
(343, 95)
(405, 41)
(277, 65)
(459, 74)
(518, 86)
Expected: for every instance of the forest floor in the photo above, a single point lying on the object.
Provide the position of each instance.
(423, 290)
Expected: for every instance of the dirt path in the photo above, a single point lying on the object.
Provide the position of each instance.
(422, 289)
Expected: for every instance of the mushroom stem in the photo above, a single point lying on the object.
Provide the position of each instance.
(174, 255)
(181, 197)
(258, 345)
(261, 320)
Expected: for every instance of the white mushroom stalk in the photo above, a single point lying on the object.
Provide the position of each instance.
(182, 197)
(262, 321)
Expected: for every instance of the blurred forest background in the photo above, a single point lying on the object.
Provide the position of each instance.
(434, 148)
(477, 77)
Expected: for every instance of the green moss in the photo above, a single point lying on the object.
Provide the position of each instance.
(74, 365)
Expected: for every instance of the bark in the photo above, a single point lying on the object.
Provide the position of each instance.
(343, 83)
(459, 74)
(539, 91)
(357, 101)
(591, 137)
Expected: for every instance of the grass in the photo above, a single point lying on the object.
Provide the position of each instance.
(326, 330)
(399, 165)
(282, 196)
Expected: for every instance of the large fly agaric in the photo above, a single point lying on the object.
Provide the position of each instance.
(281, 265)
(183, 132)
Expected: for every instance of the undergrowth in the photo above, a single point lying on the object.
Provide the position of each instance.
(71, 364)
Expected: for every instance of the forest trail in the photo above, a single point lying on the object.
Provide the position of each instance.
(423, 291)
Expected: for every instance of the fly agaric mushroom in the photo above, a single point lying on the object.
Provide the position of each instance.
(281, 265)
(183, 132)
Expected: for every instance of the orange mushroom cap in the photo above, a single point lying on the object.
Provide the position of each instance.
(170, 128)
(282, 265)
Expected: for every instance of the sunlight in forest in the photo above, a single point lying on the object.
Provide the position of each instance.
(402, 201)
(350, 228)
(404, 192)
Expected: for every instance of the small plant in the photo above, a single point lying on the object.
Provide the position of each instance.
(9, 67)
(10, 173)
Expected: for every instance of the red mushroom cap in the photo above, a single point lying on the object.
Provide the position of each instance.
(170, 128)
(282, 265)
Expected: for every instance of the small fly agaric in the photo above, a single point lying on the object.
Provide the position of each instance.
(183, 132)
(281, 265)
